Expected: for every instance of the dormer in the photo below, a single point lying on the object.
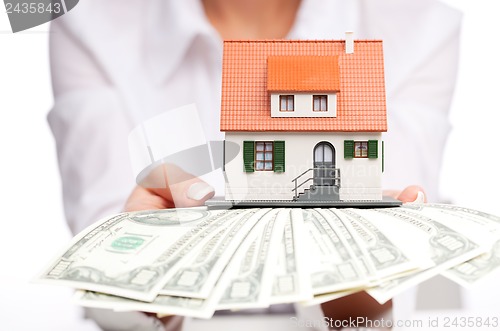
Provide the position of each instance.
(303, 86)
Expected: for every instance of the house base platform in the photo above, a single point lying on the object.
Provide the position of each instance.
(233, 204)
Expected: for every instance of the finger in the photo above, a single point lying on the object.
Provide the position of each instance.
(411, 193)
(144, 199)
(189, 193)
(170, 322)
(183, 189)
(176, 187)
(162, 176)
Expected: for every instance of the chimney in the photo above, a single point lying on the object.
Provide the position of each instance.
(349, 42)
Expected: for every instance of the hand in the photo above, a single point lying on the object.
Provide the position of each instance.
(409, 194)
(169, 187)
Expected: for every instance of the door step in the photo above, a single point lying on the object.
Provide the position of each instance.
(320, 193)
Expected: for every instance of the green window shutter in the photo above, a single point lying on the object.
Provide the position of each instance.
(248, 156)
(348, 149)
(372, 149)
(279, 156)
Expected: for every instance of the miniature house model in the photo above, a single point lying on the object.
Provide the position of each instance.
(308, 117)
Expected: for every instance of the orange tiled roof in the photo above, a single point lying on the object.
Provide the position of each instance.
(302, 73)
(245, 104)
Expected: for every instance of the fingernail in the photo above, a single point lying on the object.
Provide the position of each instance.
(420, 197)
(198, 191)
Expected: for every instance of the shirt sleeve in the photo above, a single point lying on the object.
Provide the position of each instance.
(90, 126)
(421, 59)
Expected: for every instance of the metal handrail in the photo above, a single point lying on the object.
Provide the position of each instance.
(308, 179)
(335, 178)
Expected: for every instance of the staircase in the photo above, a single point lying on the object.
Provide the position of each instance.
(315, 192)
(319, 193)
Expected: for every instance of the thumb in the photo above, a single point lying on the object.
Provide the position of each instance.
(412, 194)
(190, 193)
(177, 187)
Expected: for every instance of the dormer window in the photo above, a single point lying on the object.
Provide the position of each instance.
(287, 103)
(320, 103)
(303, 86)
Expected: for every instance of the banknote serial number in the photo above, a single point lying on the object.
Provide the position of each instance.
(470, 322)
(33, 8)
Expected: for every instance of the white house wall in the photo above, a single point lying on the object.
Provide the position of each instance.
(360, 177)
(303, 105)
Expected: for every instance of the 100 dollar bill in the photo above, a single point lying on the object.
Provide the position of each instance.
(445, 246)
(488, 227)
(132, 254)
(200, 271)
(291, 277)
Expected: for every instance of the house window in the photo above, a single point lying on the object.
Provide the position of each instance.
(360, 149)
(286, 103)
(320, 103)
(264, 156)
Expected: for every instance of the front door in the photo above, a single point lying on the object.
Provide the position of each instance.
(324, 164)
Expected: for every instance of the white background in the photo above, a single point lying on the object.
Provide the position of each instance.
(32, 225)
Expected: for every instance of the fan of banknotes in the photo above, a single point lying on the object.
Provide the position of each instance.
(194, 261)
